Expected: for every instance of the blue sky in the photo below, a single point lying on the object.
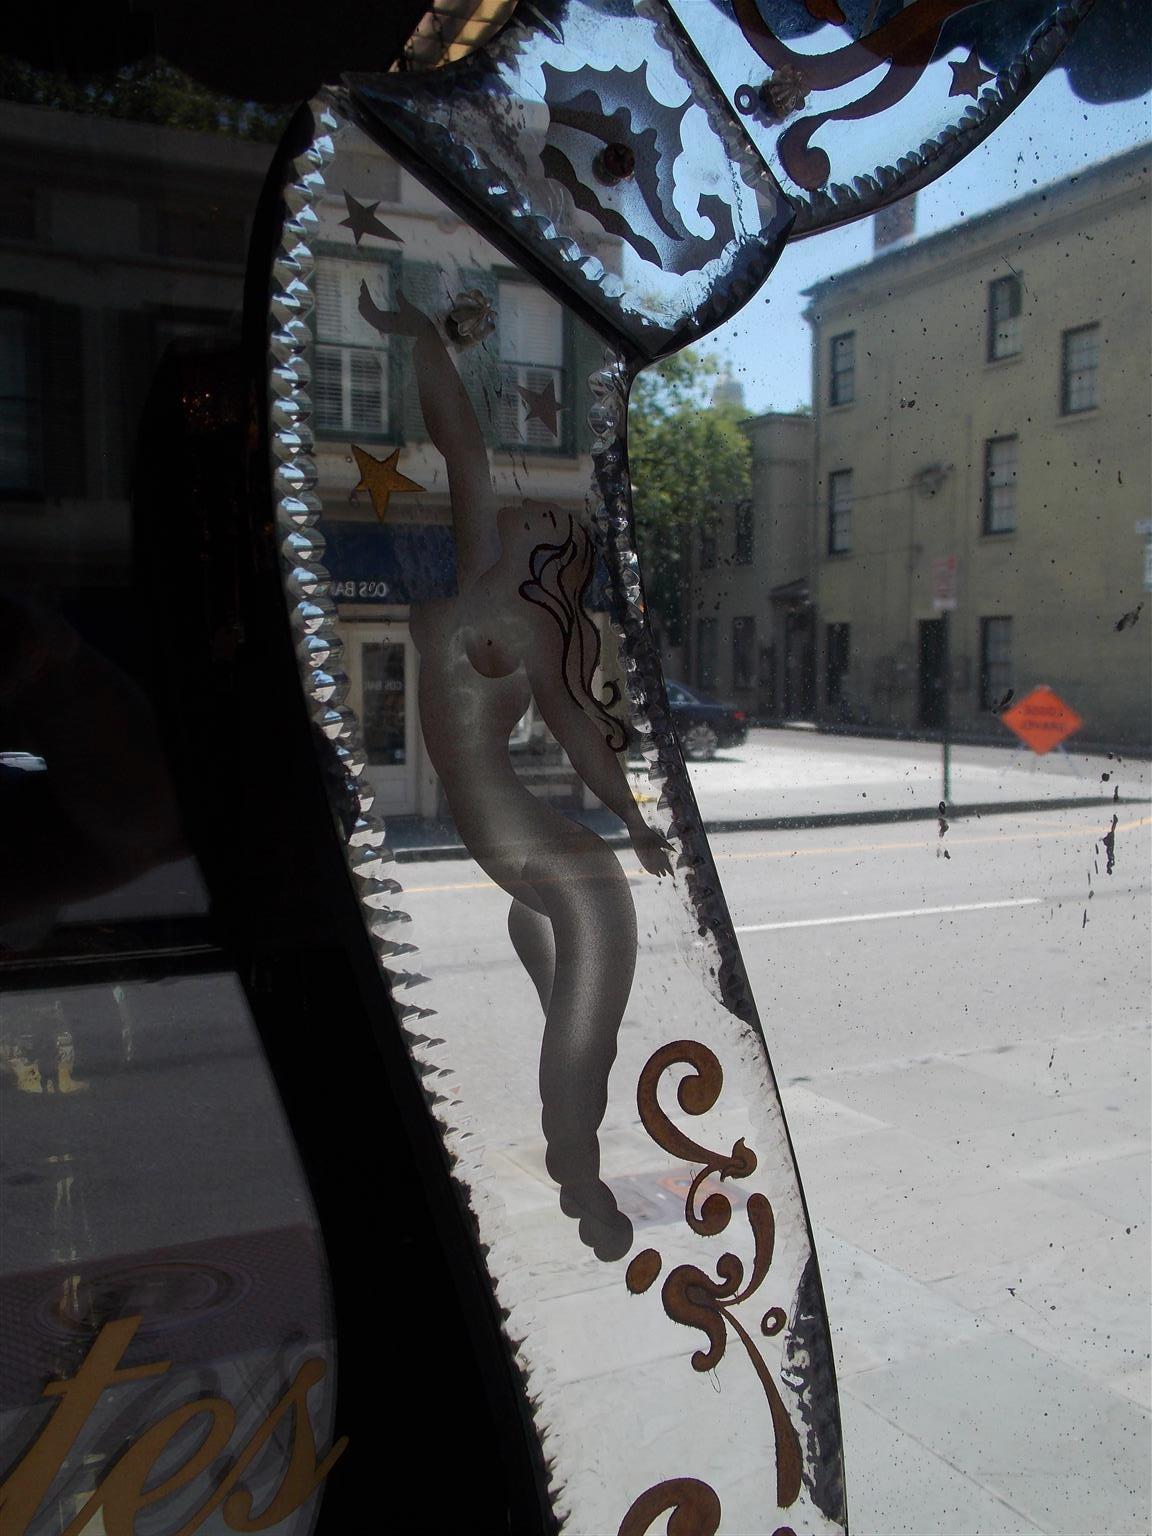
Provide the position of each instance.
(1048, 137)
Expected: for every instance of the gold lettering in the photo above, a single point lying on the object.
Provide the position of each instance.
(25, 1489)
(123, 1492)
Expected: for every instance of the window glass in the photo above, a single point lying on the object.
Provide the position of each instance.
(838, 641)
(995, 662)
(743, 652)
(1080, 359)
(707, 641)
(842, 356)
(20, 471)
(1004, 322)
(840, 512)
(927, 817)
(531, 325)
(745, 550)
(351, 384)
(384, 684)
(1001, 456)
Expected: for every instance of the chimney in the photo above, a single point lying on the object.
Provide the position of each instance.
(894, 224)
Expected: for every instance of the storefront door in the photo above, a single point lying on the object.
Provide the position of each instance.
(383, 675)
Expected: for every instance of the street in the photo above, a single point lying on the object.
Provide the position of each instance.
(962, 1047)
(962, 1044)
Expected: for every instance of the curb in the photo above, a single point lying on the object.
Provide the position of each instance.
(457, 850)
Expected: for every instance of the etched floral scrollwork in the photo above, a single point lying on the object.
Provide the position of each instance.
(689, 1295)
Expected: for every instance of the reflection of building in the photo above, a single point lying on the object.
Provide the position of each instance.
(118, 238)
(526, 382)
(982, 396)
(980, 439)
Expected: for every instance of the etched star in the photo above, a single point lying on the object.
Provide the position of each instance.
(381, 479)
(967, 78)
(362, 221)
(542, 404)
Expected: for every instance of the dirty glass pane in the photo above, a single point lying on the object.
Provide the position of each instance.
(153, 1208)
(934, 837)
(595, 972)
(156, 1218)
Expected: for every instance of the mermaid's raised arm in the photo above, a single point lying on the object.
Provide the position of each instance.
(453, 428)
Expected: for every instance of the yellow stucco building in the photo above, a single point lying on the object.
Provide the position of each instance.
(981, 479)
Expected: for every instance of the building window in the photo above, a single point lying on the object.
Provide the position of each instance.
(745, 534)
(837, 643)
(707, 551)
(531, 366)
(1000, 458)
(995, 661)
(744, 653)
(201, 232)
(1004, 324)
(19, 204)
(1080, 369)
(20, 412)
(840, 512)
(842, 369)
(43, 407)
(706, 633)
(350, 387)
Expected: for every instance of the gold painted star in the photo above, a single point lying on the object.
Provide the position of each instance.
(362, 221)
(381, 479)
(542, 404)
(967, 78)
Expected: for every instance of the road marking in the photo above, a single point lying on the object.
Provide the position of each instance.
(903, 844)
(878, 917)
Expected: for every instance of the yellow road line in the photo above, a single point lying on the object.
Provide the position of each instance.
(791, 853)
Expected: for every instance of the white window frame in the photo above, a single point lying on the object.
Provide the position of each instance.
(1080, 377)
(840, 512)
(996, 670)
(529, 363)
(1001, 465)
(842, 375)
(1005, 317)
(345, 339)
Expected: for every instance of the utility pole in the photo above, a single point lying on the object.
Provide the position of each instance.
(946, 711)
(945, 573)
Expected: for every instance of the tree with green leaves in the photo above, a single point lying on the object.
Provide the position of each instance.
(146, 91)
(690, 464)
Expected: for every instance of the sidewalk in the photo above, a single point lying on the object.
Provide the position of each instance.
(784, 778)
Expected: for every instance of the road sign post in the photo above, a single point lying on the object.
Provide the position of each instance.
(944, 577)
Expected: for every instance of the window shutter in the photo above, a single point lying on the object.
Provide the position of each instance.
(480, 363)
(329, 302)
(420, 283)
(62, 371)
(587, 357)
(327, 388)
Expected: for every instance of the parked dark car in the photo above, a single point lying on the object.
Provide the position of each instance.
(704, 724)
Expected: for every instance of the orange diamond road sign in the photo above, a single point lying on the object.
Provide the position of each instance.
(1042, 720)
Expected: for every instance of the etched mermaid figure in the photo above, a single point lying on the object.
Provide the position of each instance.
(517, 631)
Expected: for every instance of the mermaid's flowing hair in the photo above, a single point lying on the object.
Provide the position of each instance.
(561, 576)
